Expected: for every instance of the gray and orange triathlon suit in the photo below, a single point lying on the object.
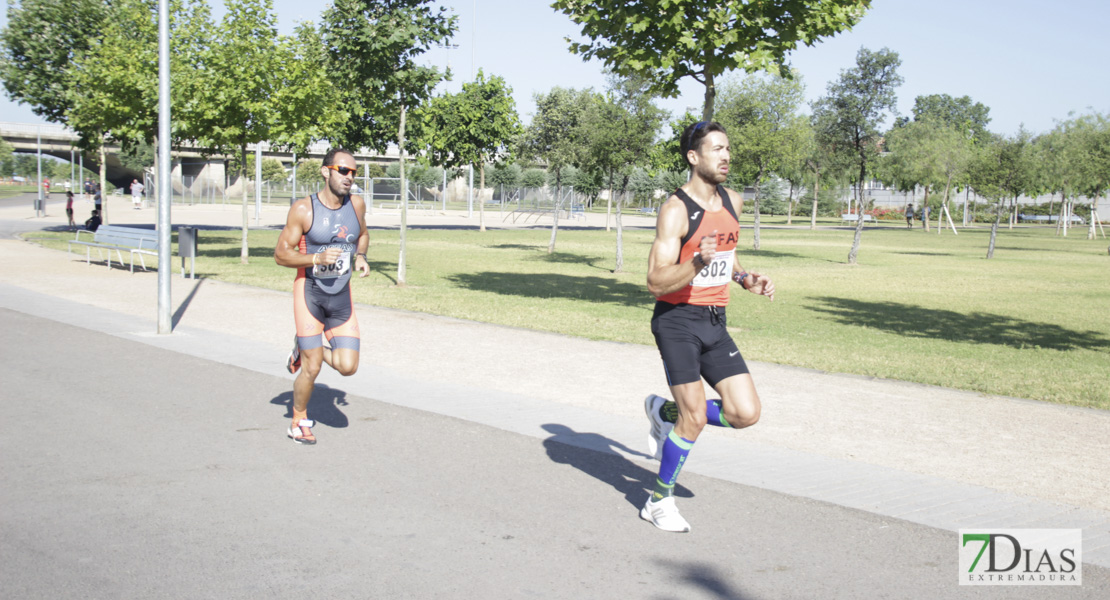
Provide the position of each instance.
(689, 324)
(322, 300)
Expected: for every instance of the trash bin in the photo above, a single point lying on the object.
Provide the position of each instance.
(187, 248)
(40, 206)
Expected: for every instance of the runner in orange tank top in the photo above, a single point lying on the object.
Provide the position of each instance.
(691, 263)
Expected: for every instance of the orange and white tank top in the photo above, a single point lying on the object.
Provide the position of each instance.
(710, 286)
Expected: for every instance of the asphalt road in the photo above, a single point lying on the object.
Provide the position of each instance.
(136, 472)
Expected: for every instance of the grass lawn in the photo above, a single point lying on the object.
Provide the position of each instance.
(1032, 322)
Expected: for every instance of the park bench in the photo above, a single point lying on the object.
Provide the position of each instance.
(851, 217)
(118, 239)
(647, 210)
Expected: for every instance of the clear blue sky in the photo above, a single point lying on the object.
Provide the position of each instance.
(1031, 62)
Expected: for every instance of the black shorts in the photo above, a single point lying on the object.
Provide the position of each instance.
(694, 343)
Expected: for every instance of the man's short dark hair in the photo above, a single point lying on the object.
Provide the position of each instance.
(694, 134)
(329, 158)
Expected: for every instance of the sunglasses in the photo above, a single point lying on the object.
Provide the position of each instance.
(344, 171)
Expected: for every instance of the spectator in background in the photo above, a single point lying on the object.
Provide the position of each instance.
(93, 223)
(69, 210)
(909, 216)
(137, 193)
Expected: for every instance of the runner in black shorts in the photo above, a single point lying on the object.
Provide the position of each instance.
(690, 266)
(325, 239)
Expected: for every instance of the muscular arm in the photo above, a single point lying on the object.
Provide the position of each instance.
(287, 253)
(664, 275)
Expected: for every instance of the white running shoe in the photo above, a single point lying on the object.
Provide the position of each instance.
(664, 515)
(660, 429)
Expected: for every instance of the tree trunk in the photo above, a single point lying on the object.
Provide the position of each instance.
(1065, 220)
(944, 206)
(555, 224)
(816, 186)
(710, 98)
(854, 252)
(609, 204)
(994, 227)
(1012, 216)
(619, 267)
(925, 210)
(103, 184)
(1051, 202)
(790, 205)
(1094, 209)
(244, 251)
(755, 209)
(481, 205)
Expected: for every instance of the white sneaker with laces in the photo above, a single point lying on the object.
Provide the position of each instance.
(664, 515)
(660, 429)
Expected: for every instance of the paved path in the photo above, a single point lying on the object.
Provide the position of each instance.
(919, 459)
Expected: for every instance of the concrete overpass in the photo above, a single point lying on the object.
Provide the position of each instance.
(192, 164)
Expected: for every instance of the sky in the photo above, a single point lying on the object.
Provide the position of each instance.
(1032, 63)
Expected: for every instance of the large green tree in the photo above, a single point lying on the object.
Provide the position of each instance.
(853, 110)
(114, 93)
(474, 126)
(761, 116)
(555, 137)
(665, 41)
(42, 39)
(374, 49)
(235, 104)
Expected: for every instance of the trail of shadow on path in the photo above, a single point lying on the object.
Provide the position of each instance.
(180, 312)
(704, 577)
(596, 456)
(554, 285)
(976, 327)
(323, 407)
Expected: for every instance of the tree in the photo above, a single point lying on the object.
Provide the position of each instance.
(963, 114)
(761, 116)
(42, 39)
(852, 109)
(1002, 169)
(1092, 160)
(703, 40)
(376, 45)
(236, 102)
(114, 81)
(931, 153)
(554, 136)
(619, 131)
(474, 126)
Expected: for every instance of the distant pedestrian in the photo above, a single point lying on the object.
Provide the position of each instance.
(46, 186)
(88, 190)
(93, 222)
(69, 210)
(96, 196)
(136, 193)
(909, 216)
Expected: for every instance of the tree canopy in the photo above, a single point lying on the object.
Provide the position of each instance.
(669, 40)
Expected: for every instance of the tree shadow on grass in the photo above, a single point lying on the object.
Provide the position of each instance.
(554, 285)
(977, 327)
